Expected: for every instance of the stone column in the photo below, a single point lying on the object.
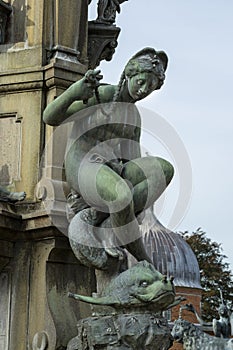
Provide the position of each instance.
(65, 30)
(41, 58)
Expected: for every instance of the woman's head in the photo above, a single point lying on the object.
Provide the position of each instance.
(148, 61)
(144, 73)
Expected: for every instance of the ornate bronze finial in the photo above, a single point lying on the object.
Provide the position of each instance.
(107, 10)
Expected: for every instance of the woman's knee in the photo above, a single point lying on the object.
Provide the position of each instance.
(167, 169)
(114, 192)
(123, 198)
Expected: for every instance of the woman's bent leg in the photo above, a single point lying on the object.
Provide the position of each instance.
(149, 176)
(107, 191)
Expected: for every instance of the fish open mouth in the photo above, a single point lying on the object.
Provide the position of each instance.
(155, 299)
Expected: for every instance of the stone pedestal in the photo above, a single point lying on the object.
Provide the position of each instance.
(135, 331)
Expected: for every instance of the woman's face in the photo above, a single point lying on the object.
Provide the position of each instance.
(142, 84)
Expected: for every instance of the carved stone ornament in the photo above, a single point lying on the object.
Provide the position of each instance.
(102, 41)
(5, 11)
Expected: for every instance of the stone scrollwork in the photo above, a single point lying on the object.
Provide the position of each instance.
(5, 11)
(40, 341)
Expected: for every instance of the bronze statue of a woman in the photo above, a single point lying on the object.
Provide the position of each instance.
(103, 164)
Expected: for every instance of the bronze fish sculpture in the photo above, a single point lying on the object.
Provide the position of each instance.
(141, 286)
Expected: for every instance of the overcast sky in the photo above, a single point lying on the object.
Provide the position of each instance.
(195, 101)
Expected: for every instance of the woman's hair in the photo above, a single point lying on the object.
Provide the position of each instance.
(146, 60)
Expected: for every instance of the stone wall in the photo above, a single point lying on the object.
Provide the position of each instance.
(37, 270)
(193, 296)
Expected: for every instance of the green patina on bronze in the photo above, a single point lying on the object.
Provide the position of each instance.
(12, 197)
(140, 287)
(125, 183)
(129, 314)
(111, 185)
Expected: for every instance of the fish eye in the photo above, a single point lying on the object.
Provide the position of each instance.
(144, 284)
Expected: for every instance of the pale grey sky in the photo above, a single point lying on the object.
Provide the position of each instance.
(196, 98)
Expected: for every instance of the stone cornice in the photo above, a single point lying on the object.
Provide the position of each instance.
(36, 224)
(36, 78)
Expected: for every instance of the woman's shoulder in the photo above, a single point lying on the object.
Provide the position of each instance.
(106, 92)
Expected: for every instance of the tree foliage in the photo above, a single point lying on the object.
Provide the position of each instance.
(214, 271)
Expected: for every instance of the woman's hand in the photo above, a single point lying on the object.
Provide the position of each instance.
(85, 88)
(67, 103)
(91, 80)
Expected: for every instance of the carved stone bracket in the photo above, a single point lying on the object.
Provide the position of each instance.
(5, 11)
(102, 41)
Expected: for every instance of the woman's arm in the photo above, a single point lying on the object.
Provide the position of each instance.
(78, 96)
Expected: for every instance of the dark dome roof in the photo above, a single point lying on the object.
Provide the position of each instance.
(170, 253)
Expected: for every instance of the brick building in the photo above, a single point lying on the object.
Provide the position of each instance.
(172, 256)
